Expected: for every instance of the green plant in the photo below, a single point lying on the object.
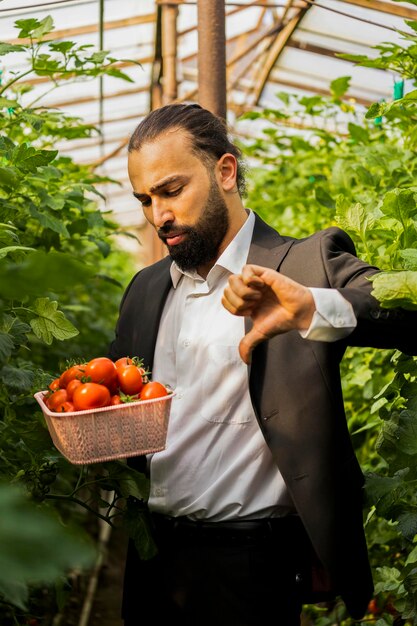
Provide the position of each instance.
(61, 280)
(344, 169)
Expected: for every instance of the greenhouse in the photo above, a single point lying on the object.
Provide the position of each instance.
(208, 282)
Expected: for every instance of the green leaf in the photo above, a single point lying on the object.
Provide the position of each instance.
(7, 48)
(396, 289)
(377, 109)
(6, 103)
(28, 159)
(8, 178)
(409, 255)
(40, 272)
(355, 218)
(35, 28)
(8, 249)
(407, 523)
(6, 346)
(389, 579)
(407, 432)
(400, 204)
(129, 482)
(412, 24)
(17, 378)
(324, 198)
(49, 221)
(50, 323)
(138, 523)
(62, 46)
(385, 491)
(119, 74)
(339, 87)
(16, 328)
(412, 557)
(27, 534)
(358, 133)
(16, 593)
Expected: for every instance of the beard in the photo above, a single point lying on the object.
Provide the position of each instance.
(202, 242)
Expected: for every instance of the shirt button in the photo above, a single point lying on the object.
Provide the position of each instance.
(179, 396)
(186, 343)
(158, 491)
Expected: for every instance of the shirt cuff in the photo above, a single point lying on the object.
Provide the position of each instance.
(333, 318)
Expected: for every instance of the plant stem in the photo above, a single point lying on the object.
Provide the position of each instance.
(51, 496)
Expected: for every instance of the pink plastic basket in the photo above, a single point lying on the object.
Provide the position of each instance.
(113, 432)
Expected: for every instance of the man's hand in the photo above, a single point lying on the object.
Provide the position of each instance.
(275, 303)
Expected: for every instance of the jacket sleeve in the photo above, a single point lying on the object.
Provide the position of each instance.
(377, 327)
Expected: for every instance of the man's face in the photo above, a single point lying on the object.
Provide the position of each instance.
(180, 198)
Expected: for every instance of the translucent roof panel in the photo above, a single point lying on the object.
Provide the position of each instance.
(272, 46)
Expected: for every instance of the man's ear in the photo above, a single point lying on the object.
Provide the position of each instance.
(227, 170)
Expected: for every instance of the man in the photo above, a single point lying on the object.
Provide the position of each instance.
(256, 501)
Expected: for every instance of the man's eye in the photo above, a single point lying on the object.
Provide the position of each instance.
(146, 202)
(174, 192)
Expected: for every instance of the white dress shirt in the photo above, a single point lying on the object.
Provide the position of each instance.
(216, 464)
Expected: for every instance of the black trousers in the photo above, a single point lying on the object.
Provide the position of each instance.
(221, 574)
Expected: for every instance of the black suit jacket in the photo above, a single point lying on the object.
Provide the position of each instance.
(296, 390)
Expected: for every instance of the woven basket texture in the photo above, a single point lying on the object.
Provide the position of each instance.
(112, 432)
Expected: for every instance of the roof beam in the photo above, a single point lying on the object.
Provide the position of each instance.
(91, 28)
(385, 7)
(276, 49)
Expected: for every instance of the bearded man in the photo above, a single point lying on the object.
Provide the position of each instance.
(256, 501)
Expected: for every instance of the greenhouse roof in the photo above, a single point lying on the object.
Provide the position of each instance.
(272, 46)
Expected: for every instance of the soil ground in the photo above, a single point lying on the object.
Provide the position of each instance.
(107, 600)
(108, 597)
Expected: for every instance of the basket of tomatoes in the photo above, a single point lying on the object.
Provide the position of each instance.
(104, 410)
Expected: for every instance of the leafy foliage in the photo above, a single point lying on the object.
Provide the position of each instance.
(348, 169)
(61, 280)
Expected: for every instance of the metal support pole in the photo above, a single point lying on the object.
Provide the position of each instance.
(212, 56)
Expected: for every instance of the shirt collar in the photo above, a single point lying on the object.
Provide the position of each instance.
(232, 259)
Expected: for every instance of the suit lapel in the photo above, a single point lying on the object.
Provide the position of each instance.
(267, 249)
(157, 289)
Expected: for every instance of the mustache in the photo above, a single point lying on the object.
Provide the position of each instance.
(172, 231)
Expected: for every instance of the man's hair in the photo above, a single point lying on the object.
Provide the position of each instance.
(208, 134)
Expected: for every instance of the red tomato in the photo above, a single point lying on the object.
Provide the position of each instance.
(74, 372)
(373, 607)
(130, 379)
(54, 385)
(125, 360)
(72, 386)
(58, 397)
(64, 407)
(90, 396)
(103, 371)
(116, 399)
(153, 390)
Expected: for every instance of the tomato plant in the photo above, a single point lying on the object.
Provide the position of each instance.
(61, 278)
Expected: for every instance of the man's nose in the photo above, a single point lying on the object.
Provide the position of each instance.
(161, 213)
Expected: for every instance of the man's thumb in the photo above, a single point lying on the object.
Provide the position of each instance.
(248, 343)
